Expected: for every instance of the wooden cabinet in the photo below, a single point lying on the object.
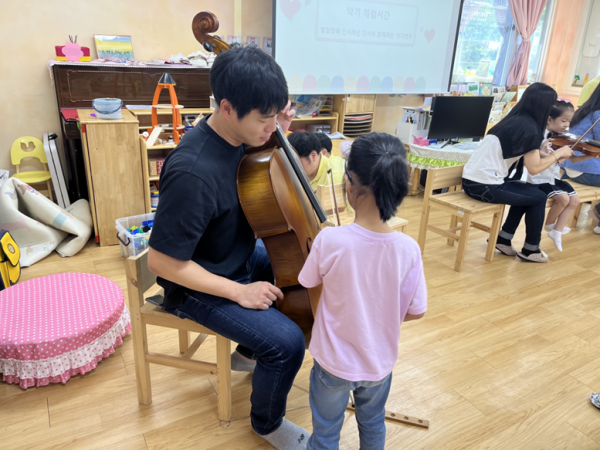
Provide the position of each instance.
(360, 103)
(356, 113)
(113, 166)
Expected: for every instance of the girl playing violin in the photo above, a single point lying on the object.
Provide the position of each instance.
(549, 182)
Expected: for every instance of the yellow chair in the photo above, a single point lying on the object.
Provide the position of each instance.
(17, 154)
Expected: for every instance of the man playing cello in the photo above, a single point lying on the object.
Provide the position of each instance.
(203, 249)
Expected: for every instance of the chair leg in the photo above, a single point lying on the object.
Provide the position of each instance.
(415, 181)
(184, 341)
(423, 227)
(142, 367)
(462, 242)
(224, 378)
(453, 223)
(49, 190)
(495, 229)
(575, 217)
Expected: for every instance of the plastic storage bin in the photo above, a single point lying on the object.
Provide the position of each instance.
(107, 108)
(133, 244)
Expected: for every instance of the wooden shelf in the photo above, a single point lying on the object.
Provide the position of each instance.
(314, 119)
(152, 209)
(162, 147)
(153, 178)
(148, 112)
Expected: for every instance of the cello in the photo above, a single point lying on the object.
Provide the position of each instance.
(279, 204)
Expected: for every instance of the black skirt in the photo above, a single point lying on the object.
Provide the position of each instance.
(559, 187)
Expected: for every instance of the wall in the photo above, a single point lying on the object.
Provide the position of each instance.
(388, 110)
(257, 19)
(562, 40)
(158, 29)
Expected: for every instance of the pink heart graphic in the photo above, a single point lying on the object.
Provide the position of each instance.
(429, 34)
(290, 8)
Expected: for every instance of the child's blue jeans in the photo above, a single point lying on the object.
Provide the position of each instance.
(329, 397)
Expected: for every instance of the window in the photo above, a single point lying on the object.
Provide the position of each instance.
(488, 40)
(588, 59)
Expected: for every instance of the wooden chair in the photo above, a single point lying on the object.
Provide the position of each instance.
(325, 196)
(17, 154)
(141, 281)
(462, 208)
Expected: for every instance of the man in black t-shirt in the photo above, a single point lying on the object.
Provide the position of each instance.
(203, 250)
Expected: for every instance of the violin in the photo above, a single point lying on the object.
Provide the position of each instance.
(278, 203)
(577, 143)
(585, 146)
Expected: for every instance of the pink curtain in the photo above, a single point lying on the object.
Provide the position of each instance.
(526, 14)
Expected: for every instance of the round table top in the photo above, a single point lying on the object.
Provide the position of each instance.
(53, 315)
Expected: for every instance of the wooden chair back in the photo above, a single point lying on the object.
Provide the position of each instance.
(325, 196)
(443, 178)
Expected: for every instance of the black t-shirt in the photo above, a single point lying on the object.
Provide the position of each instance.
(199, 216)
(519, 135)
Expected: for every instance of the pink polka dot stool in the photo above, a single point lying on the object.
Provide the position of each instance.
(54, 327)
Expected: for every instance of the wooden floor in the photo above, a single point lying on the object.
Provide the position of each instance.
(506, 358)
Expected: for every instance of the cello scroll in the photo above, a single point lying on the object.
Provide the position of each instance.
(206, 22)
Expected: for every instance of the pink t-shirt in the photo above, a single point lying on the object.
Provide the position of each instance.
(370, 281)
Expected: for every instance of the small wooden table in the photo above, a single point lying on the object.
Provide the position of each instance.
(111, 151)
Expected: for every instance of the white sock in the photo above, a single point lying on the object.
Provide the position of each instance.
(288, 436)
(549, 227)
(557, 238)
(597, 229)
(566, 230)
(239, 364)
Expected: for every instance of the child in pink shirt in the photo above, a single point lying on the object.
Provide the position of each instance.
(372, 281)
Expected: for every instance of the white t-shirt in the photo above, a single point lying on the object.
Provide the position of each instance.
(487, 165)
(547, 176)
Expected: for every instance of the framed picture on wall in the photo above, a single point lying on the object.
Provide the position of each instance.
(114, 48)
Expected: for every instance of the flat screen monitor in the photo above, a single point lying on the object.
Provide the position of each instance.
(459, 117)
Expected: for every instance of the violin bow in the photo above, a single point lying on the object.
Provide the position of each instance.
(332, 191)
(584, 134)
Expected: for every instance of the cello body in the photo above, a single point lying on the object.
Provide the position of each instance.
(280, 213)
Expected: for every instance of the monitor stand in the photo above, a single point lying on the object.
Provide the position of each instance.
(450, 142)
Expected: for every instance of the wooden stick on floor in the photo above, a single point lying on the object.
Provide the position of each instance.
(395, 417)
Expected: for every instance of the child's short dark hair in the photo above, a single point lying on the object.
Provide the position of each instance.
(249, 79)
(304, 143)
(324, 141)
(559, 107)
(379, 162)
